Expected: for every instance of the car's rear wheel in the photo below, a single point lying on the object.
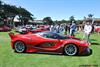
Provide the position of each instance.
(19, 47)
(70, 49)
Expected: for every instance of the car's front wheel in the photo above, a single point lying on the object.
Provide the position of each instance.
(70, 49)
(19, 47)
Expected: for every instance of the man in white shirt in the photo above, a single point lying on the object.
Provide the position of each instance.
(87, 31)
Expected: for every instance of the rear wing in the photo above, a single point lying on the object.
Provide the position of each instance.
(11, 34)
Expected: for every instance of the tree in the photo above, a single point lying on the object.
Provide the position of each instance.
(11, 11)
(48, 20)
(63, 21)
(0, 2)
(71, 18)
(1, 10)
(78, 21)
(90, 15)
(24, 15)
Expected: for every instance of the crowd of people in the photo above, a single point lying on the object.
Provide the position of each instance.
(71, 29)
(57, 28)
(64, 28)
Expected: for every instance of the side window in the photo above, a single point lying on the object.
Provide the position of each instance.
(47, 35)
(52, 36)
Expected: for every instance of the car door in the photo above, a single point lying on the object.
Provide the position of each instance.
(45, 42)
(50, 42)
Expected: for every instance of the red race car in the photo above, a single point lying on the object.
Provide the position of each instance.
(49, 42)
(97, 29)
(38, 30)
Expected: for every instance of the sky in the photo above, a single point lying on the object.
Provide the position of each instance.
(59, 9)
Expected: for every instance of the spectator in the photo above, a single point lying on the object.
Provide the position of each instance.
(87, 31)
(66, 29)
(52, 28)
(61, 29)
(73, 28)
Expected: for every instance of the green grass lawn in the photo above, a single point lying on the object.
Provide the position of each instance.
(8, 58)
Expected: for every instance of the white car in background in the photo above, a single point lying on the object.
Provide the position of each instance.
(20, 29)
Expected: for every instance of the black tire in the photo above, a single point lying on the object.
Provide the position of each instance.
(19, 47)
(70, 50)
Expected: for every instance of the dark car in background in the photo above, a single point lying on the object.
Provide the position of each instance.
(4, 28)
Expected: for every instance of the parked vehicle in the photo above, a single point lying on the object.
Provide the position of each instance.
(21, 29)
(4, 28)
(97, 29)
(49, 42)
(97, 26)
